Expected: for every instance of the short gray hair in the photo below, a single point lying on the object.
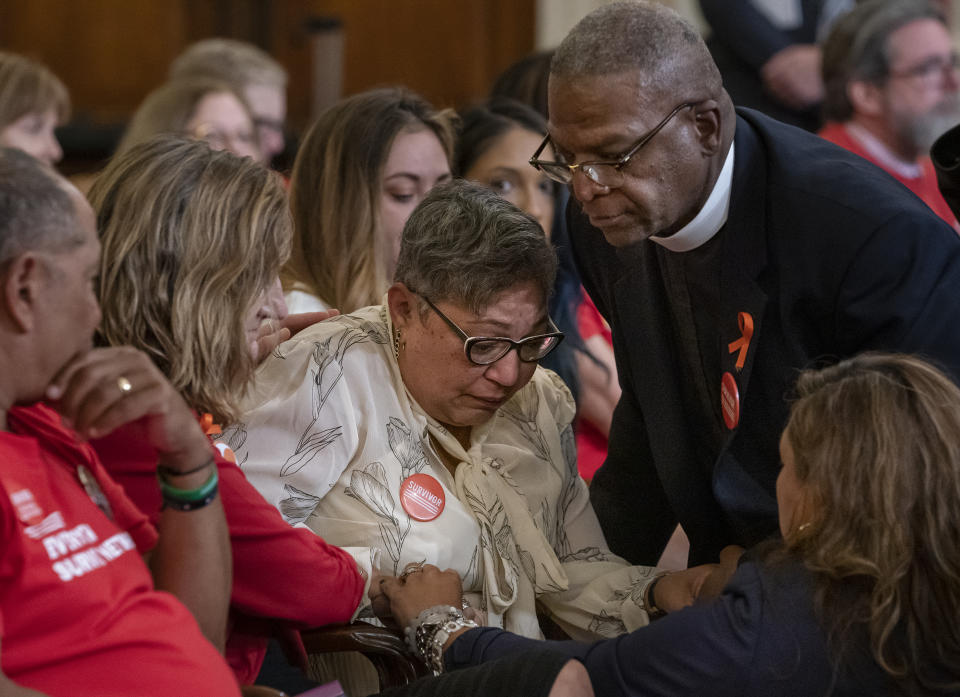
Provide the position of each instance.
(237, 63)
(466, 245)
(36, 210)
(856, 48)
(644, 36)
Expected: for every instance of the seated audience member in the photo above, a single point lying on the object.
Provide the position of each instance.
(252, 73)
(80, 613)
(192, 242)
(33, 102)
(768, 53)
(197, 108)
(945, 154)
(495, 142)
(423, 429)
(890, 69)
(361, 170)
(860, 597)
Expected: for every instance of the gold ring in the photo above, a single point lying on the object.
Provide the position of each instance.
(124, 385)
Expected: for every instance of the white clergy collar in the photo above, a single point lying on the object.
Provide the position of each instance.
(711, 217)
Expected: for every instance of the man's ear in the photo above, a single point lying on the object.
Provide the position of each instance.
(866, 97)
(402, 303)
(22, 282)
(708, 120)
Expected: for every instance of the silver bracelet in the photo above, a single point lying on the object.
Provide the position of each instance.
(427, 634)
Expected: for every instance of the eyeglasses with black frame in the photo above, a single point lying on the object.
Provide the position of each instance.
(606, 173)
(485, 350)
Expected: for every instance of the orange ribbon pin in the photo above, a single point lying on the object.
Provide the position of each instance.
(743, 343)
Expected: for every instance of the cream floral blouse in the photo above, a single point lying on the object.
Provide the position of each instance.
(330, 433)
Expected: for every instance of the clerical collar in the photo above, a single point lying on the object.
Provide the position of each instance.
(881, 153)
(711, 217)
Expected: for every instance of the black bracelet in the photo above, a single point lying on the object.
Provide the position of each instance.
(653, 612)
(187, 506)
(166, 472)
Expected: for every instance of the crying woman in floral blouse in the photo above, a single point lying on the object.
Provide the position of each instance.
(422, 430)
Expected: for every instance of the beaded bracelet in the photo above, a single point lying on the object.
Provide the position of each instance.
(189, 499)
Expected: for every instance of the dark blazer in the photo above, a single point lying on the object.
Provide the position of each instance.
(946, 160)
(830, 256)
(759, 638)
(742, 39)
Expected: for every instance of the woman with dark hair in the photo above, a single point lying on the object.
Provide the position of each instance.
(496, 140)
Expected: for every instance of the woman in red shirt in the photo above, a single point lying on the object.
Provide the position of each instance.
(192, 242)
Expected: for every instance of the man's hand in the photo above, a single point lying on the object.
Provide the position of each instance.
(107, 388)
(680, 589)
(411, 595)
(714, 584)
(273, 332)
(792, 75)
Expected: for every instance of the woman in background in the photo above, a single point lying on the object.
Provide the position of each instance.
(496, 140)
(192, 242)
(198, 108)
(361, 170)
(33, 101)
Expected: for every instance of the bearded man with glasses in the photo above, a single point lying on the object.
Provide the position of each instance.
(728, 251)
(893, 86)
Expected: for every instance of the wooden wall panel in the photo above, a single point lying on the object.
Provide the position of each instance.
(110, 53)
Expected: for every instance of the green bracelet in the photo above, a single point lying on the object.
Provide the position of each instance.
(172, 494)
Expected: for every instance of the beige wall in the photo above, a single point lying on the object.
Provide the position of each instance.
(556, 17)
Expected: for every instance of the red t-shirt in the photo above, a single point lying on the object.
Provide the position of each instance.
(924, 186)
(79, 616)
(591, 443)
(279, 572)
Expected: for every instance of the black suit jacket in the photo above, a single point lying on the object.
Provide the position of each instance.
(946, 160)
(830, 256)
(760, 638)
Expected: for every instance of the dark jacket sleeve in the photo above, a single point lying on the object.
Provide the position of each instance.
(740, 644)
(626, 493)
(946, 159)
(899, 293)
(743, 30)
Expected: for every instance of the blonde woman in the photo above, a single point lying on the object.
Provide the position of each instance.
(33, 102)
(192, 241)
(200, 108)
(362, 169)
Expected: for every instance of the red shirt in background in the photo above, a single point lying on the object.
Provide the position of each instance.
(78, 610)
(924, 186)
(279, 572)
(591, 443)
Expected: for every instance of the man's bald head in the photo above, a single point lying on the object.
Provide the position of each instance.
(645, 37)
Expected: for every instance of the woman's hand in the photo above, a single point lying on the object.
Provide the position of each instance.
(273, 332)
(419, 590)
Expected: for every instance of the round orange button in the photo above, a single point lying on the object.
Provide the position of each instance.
(422, 497)
(729, 401)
